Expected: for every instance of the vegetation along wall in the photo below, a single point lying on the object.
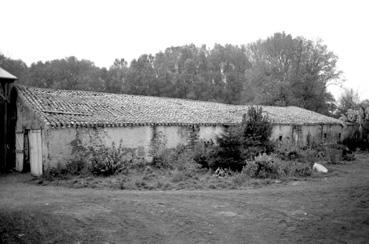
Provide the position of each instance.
(305, 135)
(60, 143)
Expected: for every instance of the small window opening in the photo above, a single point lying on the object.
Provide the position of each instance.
(339, 136)
(280, 138)
(325, 135)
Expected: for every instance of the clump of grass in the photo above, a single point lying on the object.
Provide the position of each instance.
(272, 167)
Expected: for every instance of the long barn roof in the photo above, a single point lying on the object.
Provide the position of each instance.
(68, 108)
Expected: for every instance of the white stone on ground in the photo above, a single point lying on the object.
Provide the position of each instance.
(320, 168)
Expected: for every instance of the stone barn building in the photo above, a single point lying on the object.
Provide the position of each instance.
(44, 123)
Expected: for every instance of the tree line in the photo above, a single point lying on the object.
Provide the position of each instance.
(280, 70)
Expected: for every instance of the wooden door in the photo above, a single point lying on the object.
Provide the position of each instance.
(35, 152)
(19, 149)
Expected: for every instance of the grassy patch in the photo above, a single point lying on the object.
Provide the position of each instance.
(152, 178)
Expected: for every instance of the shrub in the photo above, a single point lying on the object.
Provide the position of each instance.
(268, 167)
(238, 143)
(204, 154)
(332, 153)
(265, 166)
(55, 172)
(107, 161)
(104, 161)
(301, 170)
(240, 178)
(309, 155)
(76, 167)
(250, 169)
(337, 152)
(287, 150)
(178, 176)
(161, 156)
(228, 153)
(256, 130)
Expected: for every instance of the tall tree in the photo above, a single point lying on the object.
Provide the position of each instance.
(292, 71)
(117, 77)
(141, 76)
(69, 73)
(348, 100)
(15, 67)
(228, 66)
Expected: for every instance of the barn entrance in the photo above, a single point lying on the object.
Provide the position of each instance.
(8, 119)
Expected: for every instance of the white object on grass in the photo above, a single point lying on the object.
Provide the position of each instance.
(320, 168)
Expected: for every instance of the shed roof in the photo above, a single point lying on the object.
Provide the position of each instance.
(6, 75)
(66, 108)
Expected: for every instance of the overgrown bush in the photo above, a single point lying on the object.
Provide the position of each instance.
(100, 160)
(238, 143)
(158, 151)
(55, 172)
(256, 130)
(179, 161)
(270, 166)
(354, 143)
(334, 153)
(287, 150)
(76, 167)
(204, 154)
(331, 153)
(107, 161)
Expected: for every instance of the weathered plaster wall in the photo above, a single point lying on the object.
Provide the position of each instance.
(175, 135)
(307, 134)
(59, 141)
(59, 148)
(285, 131)
(332, 133)
(26, 118)
(210, 133)
(183, 135)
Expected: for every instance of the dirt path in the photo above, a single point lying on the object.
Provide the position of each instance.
(332, 209)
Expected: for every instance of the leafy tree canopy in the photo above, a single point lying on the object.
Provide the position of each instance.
(281, 70)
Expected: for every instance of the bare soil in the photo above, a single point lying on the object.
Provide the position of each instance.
(333, 208)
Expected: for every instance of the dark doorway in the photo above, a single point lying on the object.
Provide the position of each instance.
(8, 119)
(11, 128)
(3, 158)
(26, 161)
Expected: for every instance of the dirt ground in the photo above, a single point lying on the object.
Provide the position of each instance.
(328, 209)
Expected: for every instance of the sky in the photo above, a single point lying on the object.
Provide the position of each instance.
(104, 30)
